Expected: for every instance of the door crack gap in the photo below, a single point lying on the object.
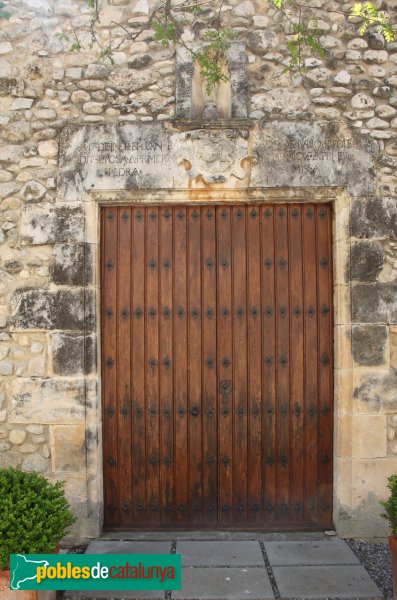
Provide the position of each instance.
(269, 571)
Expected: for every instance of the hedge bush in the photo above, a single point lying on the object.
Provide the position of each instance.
(34, 514)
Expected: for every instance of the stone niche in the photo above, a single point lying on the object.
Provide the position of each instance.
(177, 162)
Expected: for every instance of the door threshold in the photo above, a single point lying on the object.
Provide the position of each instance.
(274, 536)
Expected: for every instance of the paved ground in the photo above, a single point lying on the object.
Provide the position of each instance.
(251, 569)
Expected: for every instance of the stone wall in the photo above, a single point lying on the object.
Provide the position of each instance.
(332, 126)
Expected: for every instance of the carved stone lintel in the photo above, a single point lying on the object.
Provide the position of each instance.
(215, 155)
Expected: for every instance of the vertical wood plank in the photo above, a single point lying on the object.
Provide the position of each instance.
(254, 361)
(311, 360)
(268, 310)
(239, 283)
(109, 362)
(123, 330)
(225, 365)
(180, 362)
(296, 362)
(282, 360)
(195, 409)
(209, 368)
(167, 408)
(139, 406)
(152, 365)
(324, 408)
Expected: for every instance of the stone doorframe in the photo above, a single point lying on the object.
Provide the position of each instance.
(343, 366)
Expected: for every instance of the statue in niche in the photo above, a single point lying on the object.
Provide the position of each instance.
(216, 105)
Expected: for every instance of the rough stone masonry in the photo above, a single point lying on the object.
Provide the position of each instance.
(76, 132)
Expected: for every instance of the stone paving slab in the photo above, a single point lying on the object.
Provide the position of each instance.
(220, 554)
(224, 583)
(116, 547)
(114, 595)
(333, 552)
(350, 581)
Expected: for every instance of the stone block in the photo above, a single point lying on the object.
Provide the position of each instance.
(65, 309)
(368, 344)
(59, 401)
(68, 448)
(328, 552)
(366, 260)
(72, 354)
(374, 303)
(336, 581)
(10, 459)
(369, 436)
(220, 554)
(377, 390)
(130, 547)
(49, 224)
(221, 583)
(37, 463)
(374, 217)
(73, 264)
(33, 191)
(17, 436)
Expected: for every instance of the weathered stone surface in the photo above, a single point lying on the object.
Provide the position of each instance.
(6, 367)
(311, 154)
(362, 101)
(5, 68)
(366, 260)
(11, 153)
(49, 224)
(17, 436)
(378, 391)
(281, 102)
(68, 448)
(73, 354)
(259, 42)
(7, 85)
(48, 148)
(35, 429)
(126, 81)
(374, 217)
(319, 76)
(73, 264)
(47, 401)
(65, 309)
(36, 463)
(368, 344)
(374, 303)
(33, 191)
(140, 61)
(13, 266)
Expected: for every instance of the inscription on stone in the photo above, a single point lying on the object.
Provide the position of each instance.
(312, 154)
(122, 159)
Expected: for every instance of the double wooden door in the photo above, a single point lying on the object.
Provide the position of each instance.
(217, 366)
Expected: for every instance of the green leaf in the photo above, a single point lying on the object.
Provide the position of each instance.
(4, 14)
(164, 33)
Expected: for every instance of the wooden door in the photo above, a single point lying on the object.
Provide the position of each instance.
(217, 366)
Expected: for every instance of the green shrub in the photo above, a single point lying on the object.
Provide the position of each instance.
(390, 505)
(34, 514)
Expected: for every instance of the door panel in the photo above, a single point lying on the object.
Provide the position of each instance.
(217, 366)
